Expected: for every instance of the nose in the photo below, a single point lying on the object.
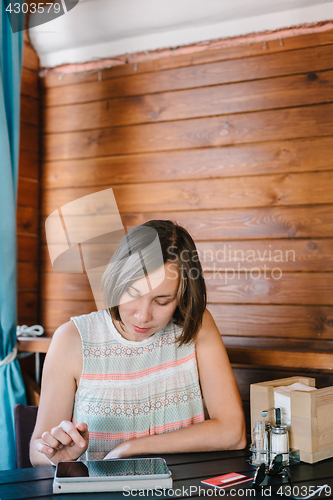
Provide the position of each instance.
(143, 313)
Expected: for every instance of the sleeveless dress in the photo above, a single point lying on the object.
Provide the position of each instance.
(130, 389)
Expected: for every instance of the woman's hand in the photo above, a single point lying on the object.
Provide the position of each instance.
(123, 450)
(65, 442)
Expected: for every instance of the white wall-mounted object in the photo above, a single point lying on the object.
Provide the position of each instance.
(98, 29)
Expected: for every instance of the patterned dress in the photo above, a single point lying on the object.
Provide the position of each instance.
(130, 389)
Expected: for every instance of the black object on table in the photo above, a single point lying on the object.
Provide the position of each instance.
(188, 470)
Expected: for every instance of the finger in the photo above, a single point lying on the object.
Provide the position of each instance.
(83, 430)
(45, 449)
(61, 436)
(82, 427)
(50, 440)
(75, 435)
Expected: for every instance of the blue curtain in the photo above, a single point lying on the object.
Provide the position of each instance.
(11, 384)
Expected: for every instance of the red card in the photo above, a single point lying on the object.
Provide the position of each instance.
(226, 480)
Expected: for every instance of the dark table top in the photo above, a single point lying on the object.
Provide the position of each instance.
(188, 470)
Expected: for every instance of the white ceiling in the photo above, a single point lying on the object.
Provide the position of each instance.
(98, 29)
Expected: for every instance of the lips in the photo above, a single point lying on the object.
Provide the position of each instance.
(140, 330)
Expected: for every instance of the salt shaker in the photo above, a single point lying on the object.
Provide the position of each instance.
(279, 439)
(259, 444)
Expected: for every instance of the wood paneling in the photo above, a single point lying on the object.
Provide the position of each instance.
(29, 84)
(234, 144)
(29, 164)
(63, 286)
(30, 58)
(29, 137)
(202, 56)
(296, 90)
(261, 223)
(247, 68)
(253, 159)
(281, 358)
(274, 321)
(27, 246)
(27, 306)
(29, 110)
(287, 255)
(310, 323)
(291, 123)
(27, 276)
(27, 220)
(28, 191)
(231, 192)
(56, 312)
(272, 287)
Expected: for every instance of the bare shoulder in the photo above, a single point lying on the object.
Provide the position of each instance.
(208, 331)
(66, 348)
(66, 335)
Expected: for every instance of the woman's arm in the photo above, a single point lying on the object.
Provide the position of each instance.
(55, 437)
(226, 427)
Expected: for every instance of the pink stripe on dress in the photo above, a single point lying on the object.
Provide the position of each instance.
(135, 375)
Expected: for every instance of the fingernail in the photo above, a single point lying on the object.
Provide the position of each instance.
(60, 446)
(49, 450)
(81, 444)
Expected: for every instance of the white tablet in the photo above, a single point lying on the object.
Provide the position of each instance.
(112, 475)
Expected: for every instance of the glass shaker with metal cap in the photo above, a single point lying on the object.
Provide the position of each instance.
(279, 439)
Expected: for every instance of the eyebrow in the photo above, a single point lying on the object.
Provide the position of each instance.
(157, 296)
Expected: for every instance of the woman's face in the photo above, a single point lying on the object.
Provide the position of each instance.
(149, 303)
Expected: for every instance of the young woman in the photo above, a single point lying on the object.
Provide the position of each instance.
(131, 379)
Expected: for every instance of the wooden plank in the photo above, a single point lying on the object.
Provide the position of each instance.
(29, 137)
(56, 312)
(314, 221)
(27, 276)
(63, 286)
(30, 58)
(296, 90)
(29, 83)
(27, 220)
(292, 123)
(28, 192)
(274, 321)
(238, 288)
(29, 165)
(280, 358)
(29, 110)
(215, 194)
(27, 304)
(27, 248)
(261, 342)
(37, 344)
(205, 57)
(288, 255)
(272, 287)
(260, 158)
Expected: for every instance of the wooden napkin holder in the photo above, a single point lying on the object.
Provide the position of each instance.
(311, 428)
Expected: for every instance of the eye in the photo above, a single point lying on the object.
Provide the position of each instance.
(164, 303)
(132, 293)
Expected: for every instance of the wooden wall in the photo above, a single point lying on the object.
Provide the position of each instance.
(28, 190)
(236, 145)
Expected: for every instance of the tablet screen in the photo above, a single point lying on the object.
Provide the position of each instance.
(113, 468)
